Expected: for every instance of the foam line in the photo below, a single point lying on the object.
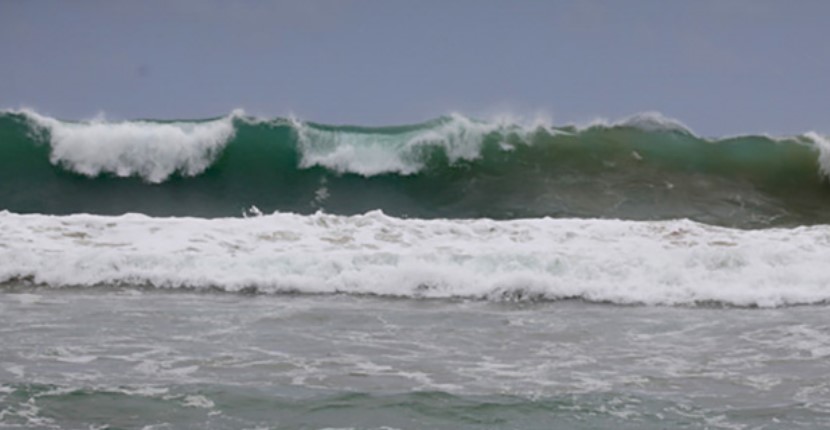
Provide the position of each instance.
(657, 263)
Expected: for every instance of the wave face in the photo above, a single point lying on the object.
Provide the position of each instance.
(644, 168)
(665, 262)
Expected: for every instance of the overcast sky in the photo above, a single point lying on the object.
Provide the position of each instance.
(722, 67)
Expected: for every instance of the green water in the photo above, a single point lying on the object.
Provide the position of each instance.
(502, 172)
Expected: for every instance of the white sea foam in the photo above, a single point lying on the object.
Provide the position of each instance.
(371, 154)
(822, 143)
(150, 150)
(667, 262)
(197, 401)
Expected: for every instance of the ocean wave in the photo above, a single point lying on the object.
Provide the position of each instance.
(151, 150)
(644, 167)
(656, 263)
(404, 151)
(645, 121)
(156, 150)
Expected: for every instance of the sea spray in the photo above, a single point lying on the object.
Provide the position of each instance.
(151, 150)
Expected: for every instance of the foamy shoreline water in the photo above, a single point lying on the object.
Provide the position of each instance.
(659, 263)
(128, 358)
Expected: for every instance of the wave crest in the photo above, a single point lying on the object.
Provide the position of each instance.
(368, 153)
(150, 150)
(156, 150)
(452, 166)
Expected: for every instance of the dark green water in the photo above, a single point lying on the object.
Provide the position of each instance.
(450, 167)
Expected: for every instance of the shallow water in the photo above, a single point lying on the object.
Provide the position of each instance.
(133, 358)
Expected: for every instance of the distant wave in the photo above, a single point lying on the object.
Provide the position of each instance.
(669, 262)
(155, 150)
(647, 166)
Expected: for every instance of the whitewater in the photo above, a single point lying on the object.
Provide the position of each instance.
(244, 272)
(637, 211)
(646, 167)
(671, 262)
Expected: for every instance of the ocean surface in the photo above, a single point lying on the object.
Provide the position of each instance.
(242, 272)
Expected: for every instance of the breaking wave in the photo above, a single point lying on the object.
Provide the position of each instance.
(668, 262)
(644, 167)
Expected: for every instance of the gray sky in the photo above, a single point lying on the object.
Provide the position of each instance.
(722, 67)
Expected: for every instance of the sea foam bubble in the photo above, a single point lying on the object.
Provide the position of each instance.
(665, 262)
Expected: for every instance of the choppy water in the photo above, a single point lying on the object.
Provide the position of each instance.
(131, 358)
(241, 272)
